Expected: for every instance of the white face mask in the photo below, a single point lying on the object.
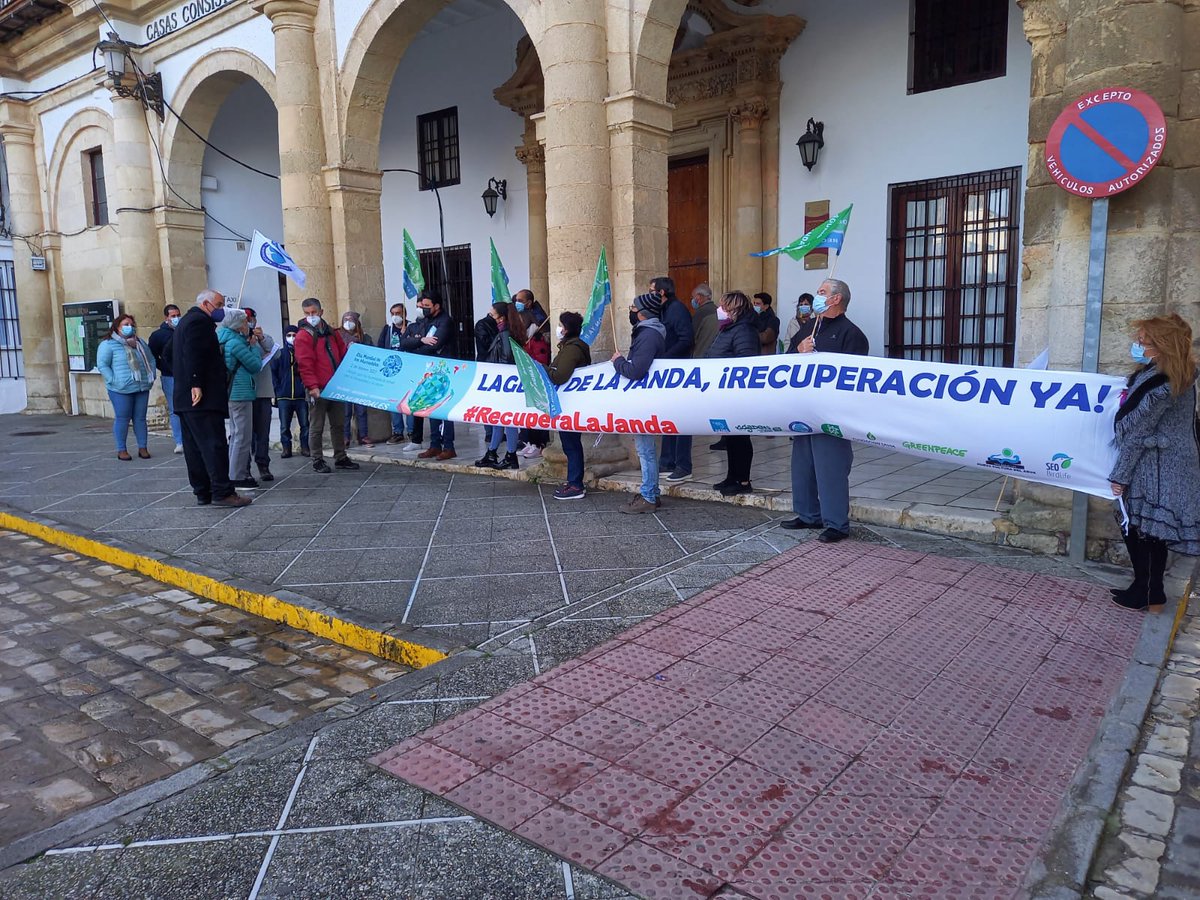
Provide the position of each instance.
(562, 333)
(349, 326)
(314, 321)
(291, 340)
(397, 320)
(722, 315)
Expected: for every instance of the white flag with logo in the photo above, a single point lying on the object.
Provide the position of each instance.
(266, 253)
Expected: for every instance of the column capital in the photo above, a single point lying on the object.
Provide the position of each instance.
(352, 179)
(16, 123)
(635, 110)
(288, 13)
(749, 113)
(531, 154)
(1043, 19)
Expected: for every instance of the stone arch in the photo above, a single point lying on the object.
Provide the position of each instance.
(653, 42)
(86, 120)
(375, 49)
(198, 99)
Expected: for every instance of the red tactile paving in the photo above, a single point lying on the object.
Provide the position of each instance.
(842, 722)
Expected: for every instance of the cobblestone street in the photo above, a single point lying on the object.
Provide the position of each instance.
(109, 681)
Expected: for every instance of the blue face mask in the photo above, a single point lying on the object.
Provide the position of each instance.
(805, 309)
(820, 304)
(127, 330)
(1138, 352)
(520, 306)
(695, 303)
(174, 320)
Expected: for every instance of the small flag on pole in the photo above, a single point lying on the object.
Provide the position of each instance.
(266, 253)
(500, 292)
(828, 234)
(1041, 361)
(593, 317)
(414, 280)
(540, 393)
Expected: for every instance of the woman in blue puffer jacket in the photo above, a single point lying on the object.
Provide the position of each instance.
(243, 360)
(127, 365)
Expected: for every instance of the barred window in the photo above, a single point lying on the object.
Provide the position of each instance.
(97, 193)
(437, 147)
(956, 42)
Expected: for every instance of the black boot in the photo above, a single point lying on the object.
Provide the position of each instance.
(509, 462)
(489, 461)
(264, 473)
(1134, 596)
(1157, 555)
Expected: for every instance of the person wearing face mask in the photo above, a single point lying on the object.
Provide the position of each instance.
(681, 341)
(646, 344)
(738, 337)
(821, 462)
(766, 322)
(202, 403)
(1157, 472)
(485, 335)
(407, 430)
(508, 324)
(127, 364)
(803, 320)
(352, 333)
(264, 397)
(243, 361)
(433, 335)
(704, 331)
(319, 351)
(573, 353)
(160, 346)
(289, 394)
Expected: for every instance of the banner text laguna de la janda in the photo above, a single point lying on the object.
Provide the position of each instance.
(1046, 426)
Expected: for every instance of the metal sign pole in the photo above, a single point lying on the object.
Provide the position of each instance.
(1091, 352)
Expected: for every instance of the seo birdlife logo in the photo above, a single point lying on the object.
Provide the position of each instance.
(1058, 465)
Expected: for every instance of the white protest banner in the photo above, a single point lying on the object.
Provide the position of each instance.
(1051, 427)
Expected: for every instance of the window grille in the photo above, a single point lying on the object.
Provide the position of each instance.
(954, 247)
(955, 42)
(437, 148)
(12, 361)
(98, 193)
(457, 295)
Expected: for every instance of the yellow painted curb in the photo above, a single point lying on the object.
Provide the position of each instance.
(266, 606)
(1180, 612)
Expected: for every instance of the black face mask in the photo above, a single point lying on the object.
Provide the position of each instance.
(426, 312)
(633, 318)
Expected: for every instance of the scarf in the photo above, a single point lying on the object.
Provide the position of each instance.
(138, 357)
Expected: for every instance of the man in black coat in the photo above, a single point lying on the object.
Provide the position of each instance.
(433, 335)
(821, 461)
(675, 456)
(160, 346)
(202, 402)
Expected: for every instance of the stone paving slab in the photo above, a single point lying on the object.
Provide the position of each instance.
(110, 681)
(842, 721)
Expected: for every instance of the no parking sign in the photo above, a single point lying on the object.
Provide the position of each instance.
(1105, 142)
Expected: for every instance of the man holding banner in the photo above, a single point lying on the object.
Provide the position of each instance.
(430, 336)
(821, 462)
(648, 343)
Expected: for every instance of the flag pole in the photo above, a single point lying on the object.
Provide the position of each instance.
(245, 272)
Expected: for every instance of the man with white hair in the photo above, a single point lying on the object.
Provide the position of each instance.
(202, 403)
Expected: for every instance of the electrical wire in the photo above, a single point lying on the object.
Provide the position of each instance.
(212, 146)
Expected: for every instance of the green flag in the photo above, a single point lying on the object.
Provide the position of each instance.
(414, 280)
(500, 292)
(828, 234)
(540, 393)
(593, 318)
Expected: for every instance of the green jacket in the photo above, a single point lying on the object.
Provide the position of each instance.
(242, 361)
(572, 354)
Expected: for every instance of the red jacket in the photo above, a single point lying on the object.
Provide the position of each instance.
(319, 351)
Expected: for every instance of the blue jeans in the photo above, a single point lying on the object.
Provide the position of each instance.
(504, 434)
(441, 434)
(168, 386)
(572, 445)
(359, 413)
(676, 455)
(288, 408)
(402, 424)
(126, 408)
(647, 453)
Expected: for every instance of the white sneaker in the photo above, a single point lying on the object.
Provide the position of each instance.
(179, 448)
(532, 451)
(410, 447)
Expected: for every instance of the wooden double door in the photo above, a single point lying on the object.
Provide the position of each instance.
(687, 223)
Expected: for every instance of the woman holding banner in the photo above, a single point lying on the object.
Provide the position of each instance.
(508, 325)
(737, 335)
(1157, 473)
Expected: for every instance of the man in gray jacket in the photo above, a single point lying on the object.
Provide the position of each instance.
(264, 393)
(647, 344)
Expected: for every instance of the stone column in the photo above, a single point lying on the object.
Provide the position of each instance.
(748, 117)
(357, 242)
(575, 132)
(131, 205)
(639, 130)
(181, 245)
(533, 156)
(307, 226)
(35, 305)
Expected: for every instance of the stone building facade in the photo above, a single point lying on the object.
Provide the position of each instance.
(610, 93)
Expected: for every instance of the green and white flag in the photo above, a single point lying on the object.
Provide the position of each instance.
(828, 234)
(593, 317)
(540, 392)
(500, 292)
(414, 280)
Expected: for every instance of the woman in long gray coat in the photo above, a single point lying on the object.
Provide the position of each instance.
(1157, 473)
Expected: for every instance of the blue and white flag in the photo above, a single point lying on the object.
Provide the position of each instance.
(268, 254)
